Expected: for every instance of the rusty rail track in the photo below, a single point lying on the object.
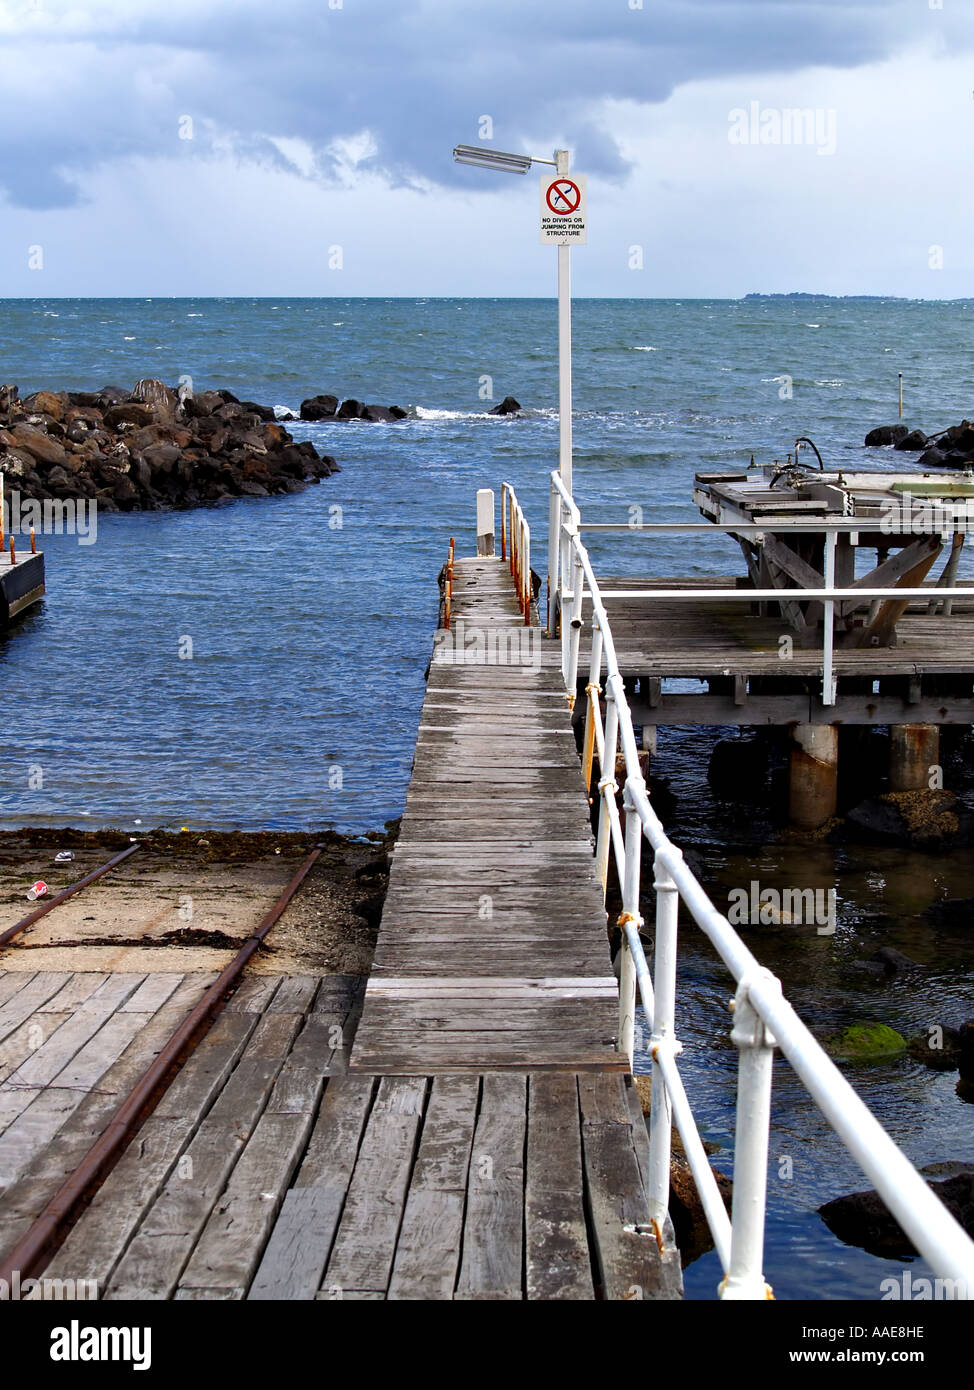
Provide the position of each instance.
(47, 1232)
(63, 896)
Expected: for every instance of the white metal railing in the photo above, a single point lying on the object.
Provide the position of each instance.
(516, 539)
(763, 1019)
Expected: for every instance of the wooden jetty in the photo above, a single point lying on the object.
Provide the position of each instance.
(805, 663)
(21, 582)
(474, 1135)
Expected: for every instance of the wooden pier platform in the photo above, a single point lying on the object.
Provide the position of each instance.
(21, 582)
(492, 952)
(477, 1137)
(751, 677)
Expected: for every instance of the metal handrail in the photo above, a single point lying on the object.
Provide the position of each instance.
(828, 596)
(516, 532)
(763, 1019)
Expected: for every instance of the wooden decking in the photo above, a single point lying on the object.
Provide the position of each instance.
(493, 950)
(928, 676)
(268, 1172)
(479, 1138)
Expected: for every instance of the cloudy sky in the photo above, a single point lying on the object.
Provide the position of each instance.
(303, 147)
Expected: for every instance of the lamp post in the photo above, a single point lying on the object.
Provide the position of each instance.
(520, 164)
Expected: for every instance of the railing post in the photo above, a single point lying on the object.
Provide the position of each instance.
(526, 595)
(485, 521)
(663, 1036)
(607, 787)
(554, 532)
(503, 521)
(745, 1277)
(593, 690)
(574, 626)
(828, 623)
(630, 913)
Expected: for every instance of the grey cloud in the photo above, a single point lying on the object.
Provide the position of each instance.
(417, 73)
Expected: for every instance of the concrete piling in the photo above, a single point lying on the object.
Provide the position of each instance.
(813, 775)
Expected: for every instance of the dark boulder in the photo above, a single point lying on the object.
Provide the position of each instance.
(912, 442)
(885, 435)
(8, 394)
(108, 396)
(161, 458)
(39, 445)
(264, 413)
(864, 1220)
(951, 913)
(50, 403)
(228, 397)
(319, 408)
(933, 457)
(738, 769)
(927, 820)
(938, 1048)
(129, 413)
(204, 403)
(350, 409)
(398, 412)
(508, 406)
(961, 438)
(378, 414)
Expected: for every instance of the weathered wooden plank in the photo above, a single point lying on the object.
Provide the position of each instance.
(492, 1261)
(155, 1259)
(95, 1245)
(428, 1250)
(237, 1229)
(558, 1264)
(50, 1059)
(293, 1263)
(365, 1243)
(28, 1000)
(624, 1247)
(13, 980)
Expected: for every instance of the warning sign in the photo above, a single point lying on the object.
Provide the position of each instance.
(563, 209)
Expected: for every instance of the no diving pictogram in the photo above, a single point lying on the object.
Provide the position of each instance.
(563, 197)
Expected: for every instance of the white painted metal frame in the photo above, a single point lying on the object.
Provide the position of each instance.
(763, 1019)
(516, 547)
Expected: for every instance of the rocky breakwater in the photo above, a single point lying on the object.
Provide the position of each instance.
(950, 448)
(149, 449)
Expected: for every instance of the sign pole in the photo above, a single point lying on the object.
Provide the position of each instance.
(562, 164)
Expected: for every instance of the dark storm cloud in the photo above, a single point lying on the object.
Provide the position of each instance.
(87, 85)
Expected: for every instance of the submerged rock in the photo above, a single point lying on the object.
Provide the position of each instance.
(866, 1042)
(508, 406)
(913, 442)
(863, 1219)
(885, 435)
(927, 819)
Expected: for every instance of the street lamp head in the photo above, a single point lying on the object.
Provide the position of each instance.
(492, 159)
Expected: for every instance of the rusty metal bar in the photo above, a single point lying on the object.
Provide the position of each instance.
(34, 1249)
(42, 911)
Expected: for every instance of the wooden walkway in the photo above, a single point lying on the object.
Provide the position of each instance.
(493, 950)
(478, 1138)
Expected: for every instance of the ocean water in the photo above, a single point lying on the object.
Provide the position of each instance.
(311, 617)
